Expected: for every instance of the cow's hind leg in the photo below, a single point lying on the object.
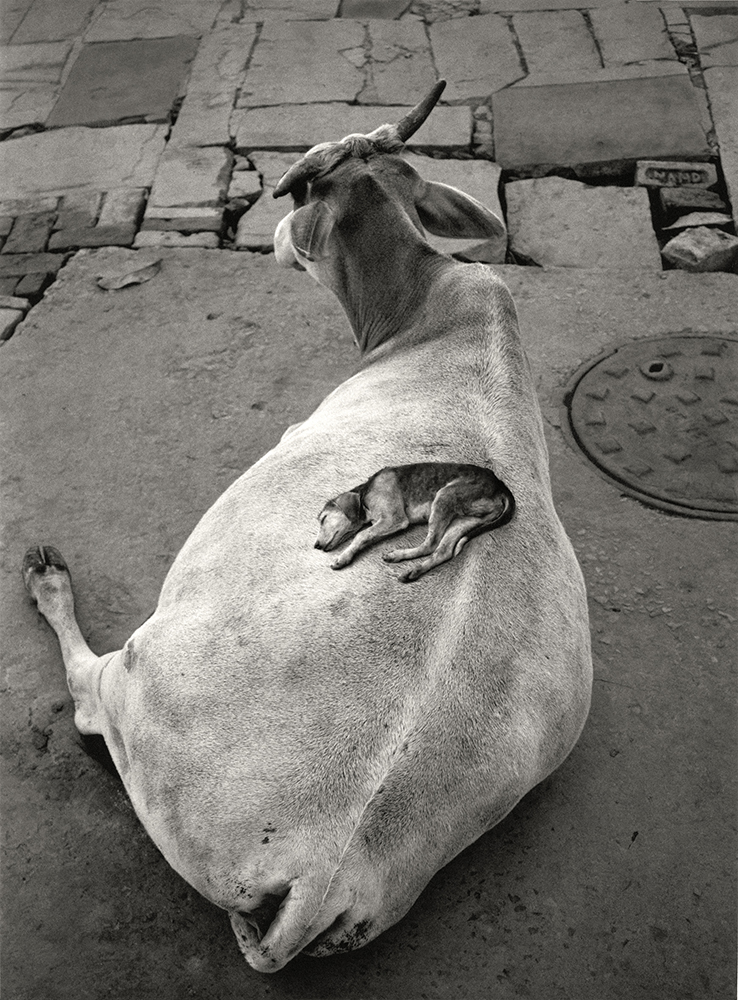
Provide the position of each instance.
(47, 580)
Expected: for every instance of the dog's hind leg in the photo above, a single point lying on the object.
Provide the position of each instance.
(47, 580)
(450, 545)
(444, 509)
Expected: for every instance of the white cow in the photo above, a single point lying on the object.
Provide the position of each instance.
(306, 746)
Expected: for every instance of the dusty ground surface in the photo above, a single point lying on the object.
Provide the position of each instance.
(127, 413)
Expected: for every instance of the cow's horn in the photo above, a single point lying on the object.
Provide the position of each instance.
(412, 121)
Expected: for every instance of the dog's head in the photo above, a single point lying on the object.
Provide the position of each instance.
(341, 518)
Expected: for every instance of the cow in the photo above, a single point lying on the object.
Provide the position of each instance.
(307, 748)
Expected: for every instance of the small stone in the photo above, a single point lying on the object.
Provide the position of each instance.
(191, 176)
(6, 224)
(7, 286)
(691, 197)
(256, 227)
(121, 235)
(175, 239)
(27, 263)
(702, 249)
(32, 285)
(78, 209)
(29, 233)
(12, 302)
(194, 219)
(245, 184)
(9, 319)
(666, 173)
(122, 207)
(701, 219)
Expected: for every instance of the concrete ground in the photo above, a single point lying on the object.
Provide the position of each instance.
(127, 414)
(138, 124)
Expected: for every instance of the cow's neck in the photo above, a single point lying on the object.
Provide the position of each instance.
(388, 271)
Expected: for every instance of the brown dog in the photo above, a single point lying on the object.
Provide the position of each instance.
(456, 501)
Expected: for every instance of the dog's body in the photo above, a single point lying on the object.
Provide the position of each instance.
(456, 501)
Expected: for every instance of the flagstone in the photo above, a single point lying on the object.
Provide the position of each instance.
(613, 120)
(13, 13)
(121, 19)
(555, 39)
(30, 78)
(293, 10)
(722, 87)
(717, 39)
(114, 81)
(477, 55)
(402, 70)
(302, 62)
(631, 33)
(191, 176)
(45, 21)
(63, 159)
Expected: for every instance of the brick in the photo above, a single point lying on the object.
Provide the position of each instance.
(722, 86)
(13, 302)
(290, 60)
(702, 249)
(245, 184)
(477, 178)
(300, 127)
(174, 239)
(121, 19)
(78, 209)
(402, 70)
(112, 82)
(477, 55)
(693, 219)
(43, 22)
(717, 39)
(74, 158)
(9, 319)
(122, 207)
(690, 197)
(33, 284)
(28, 206)
(183, 219)
(191, 176)
(98, 236)
(631, 33)
(663, 119)
(215, 79)
(12, 265)
(562, 223)
(551, 39)
(256, 227)
(30, 78)
(29, 233)
(7, 286)
(671, 173)
(294, 10)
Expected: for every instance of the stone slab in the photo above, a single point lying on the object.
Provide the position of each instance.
(114, 82)
(244, 184)
(722, 87)
(255, 230)
(481, 180)
(30, 233)
(303, 62)
(27, 206)
(674, 173)
(215, 79)
(389, 9)
(174, 239)
(32, 285)
(693, 219)
(189, 219)
(299, 127)
(271, 166)
(562, 223)
(717, 39)
(401, 66)
(30, 78)
(122, 207)
(555, 39)
(605, 74)
(12, 302)
(617, 120)
(78, 209)
(292, 10)
(681, 198)
(702, 249)
(16, 265)
(72, 158)
(121, 235)
(631, 33)
(45, 23)
(13, 13)
(191, 176)
(477, 55)
(9, 319)
(121, 19)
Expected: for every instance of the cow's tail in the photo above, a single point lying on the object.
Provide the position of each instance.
(310, 907)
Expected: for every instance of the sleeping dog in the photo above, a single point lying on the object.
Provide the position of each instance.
(456, 501)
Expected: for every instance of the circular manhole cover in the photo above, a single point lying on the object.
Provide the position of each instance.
(660, 417)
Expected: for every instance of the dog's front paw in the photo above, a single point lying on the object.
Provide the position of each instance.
(340, 563)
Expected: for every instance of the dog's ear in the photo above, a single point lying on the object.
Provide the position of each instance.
(310, 227)
(350, 504)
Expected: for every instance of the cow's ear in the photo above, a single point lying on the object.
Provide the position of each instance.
(445, 211)
(310, 227)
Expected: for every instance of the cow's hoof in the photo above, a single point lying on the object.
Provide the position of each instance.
(40, 563)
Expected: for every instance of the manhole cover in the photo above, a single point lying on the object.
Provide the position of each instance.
(660, 417)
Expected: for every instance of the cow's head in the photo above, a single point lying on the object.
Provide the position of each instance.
(358, 194)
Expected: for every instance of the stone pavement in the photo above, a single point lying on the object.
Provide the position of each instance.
(167, 122)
